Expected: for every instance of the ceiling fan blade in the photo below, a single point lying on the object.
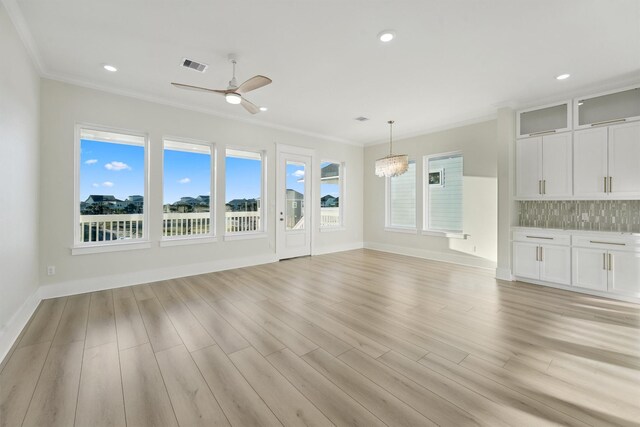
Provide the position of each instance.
(198, 88)
(252, 108)
(253, 83)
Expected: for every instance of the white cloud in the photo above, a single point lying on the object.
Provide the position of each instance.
(107, 184)
(117, 166)
(184, 180)
(91, 162)
(299, 173)
(95, 184)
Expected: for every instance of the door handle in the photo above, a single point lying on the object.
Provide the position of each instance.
(610, 262)
(281, 219)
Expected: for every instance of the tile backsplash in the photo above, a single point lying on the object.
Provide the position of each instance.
(598, 215)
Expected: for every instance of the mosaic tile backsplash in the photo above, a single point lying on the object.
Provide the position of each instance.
(597, 215)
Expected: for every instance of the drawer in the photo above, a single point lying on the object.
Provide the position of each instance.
(542, 237)
(608, 242)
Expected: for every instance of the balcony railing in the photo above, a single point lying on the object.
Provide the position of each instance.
(100, 228)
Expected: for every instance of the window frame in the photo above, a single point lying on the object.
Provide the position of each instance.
(201, 238)
(341, 176)
(78, 247)
(426, 195)
(387, 201)
(243, 235)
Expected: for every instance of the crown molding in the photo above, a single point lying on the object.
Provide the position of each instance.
(15, 15)
(460, 122)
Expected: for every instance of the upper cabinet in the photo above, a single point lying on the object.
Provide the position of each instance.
(607, 108)
(544, 167)
(544, 120)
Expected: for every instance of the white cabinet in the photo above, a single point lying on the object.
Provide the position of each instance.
(606, 108)
(544, 167)
(546, 119)
(590, 268)
(607, 162)
(624, 272)
(550, 263)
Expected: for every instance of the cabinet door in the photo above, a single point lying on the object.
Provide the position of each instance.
(528, 167)
(624, 274)
(590, 268)
(557, 165)
(525, 260)
(624, 160)
(590, 162)
(555, 265)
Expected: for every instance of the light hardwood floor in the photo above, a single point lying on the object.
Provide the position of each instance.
(355, 338)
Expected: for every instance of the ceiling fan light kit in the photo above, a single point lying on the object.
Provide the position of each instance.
(393, 164)
(233, 94)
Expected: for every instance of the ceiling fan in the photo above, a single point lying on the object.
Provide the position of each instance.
(234, 93)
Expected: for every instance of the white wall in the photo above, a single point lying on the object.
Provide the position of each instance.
(64, 105)
(19, 121)
(478, 144)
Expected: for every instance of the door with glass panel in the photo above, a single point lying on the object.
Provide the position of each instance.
(293, 210)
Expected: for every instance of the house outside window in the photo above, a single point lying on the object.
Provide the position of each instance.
(244, 192)
(443, 191)
(111, 187)
(401, 200)
(188, 189)
(331, 194)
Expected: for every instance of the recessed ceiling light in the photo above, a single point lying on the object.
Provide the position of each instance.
(563, 76)
(386, 36)
(110, 68)
(263, 108)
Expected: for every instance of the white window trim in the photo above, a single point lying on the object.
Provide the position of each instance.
(342, 176)
(78, 247)
(211, 235)
(426, 231)
(263, 196)
(387, 208)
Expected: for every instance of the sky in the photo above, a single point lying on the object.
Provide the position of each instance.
(118, 170)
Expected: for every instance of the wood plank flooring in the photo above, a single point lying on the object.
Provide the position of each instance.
(360, 338)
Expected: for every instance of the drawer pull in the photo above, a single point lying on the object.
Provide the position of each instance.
(597, 242)
(544, 132)
(607, 122)
(538, 237)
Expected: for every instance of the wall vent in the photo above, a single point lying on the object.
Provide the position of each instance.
(197, 66)
(362, 119)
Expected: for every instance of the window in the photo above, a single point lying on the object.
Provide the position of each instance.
(188, 203)
(244, 192)
(111, 187)
(331, 196)
(443, 192)
(401, 199)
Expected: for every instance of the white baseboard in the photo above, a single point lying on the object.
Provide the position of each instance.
(93, 284)
(16, 324)
(431, 255)
(337, 248)
(504, 274)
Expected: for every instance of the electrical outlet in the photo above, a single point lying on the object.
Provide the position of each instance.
(51, 270)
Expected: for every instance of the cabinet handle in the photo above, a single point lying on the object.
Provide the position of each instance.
(544, 132)
(610, 184)
(599, 242)
(610, 262)
(541, 254)
(606, 122)
(604, 260)
(539, 186)
(605, 184)
(538, 237)
(544, 186)
(537, 253)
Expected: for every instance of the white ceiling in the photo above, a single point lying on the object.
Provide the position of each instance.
(452, 60)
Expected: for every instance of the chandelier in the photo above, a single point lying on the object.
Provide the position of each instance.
(393, 164)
